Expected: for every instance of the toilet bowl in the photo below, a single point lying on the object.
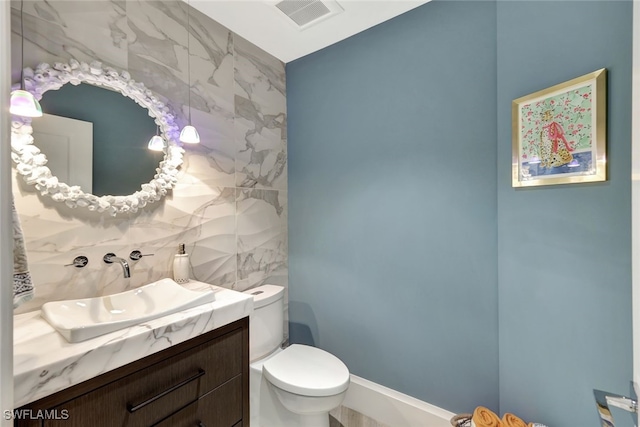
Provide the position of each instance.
(294, 386)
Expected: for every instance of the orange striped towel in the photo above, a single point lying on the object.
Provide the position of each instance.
(510, 420)
(483, 417)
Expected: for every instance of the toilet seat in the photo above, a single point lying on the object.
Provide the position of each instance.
(307, 371)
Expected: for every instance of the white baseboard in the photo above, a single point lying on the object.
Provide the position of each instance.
(392, 407)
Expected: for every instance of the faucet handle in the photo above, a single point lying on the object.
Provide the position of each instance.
(136, 255)
(107, 257)
(79, 262)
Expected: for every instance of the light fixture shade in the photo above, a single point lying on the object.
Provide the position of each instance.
(24, 104)
(189, 135)
(156, 143)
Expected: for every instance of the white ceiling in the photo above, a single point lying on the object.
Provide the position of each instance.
(260, 22)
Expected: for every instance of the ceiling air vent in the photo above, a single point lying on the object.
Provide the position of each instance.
(305, 13)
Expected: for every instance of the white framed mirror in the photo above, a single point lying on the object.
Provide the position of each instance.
(33, 165)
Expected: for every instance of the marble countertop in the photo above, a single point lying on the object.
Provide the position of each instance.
(44, 362)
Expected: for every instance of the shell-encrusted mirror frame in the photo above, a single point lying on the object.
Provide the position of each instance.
(31, 162)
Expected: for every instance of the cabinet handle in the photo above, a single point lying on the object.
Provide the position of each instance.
(133, 408)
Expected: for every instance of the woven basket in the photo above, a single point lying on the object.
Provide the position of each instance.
(462, 420)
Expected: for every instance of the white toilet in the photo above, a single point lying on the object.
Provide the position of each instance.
(292, 387)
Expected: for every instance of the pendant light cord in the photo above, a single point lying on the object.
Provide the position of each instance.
(189, 57)
(21, 45)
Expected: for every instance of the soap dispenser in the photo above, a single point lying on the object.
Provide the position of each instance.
(181, 265)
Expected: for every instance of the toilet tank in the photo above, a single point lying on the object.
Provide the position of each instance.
(266, 327)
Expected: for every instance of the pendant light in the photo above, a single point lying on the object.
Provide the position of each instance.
(189, 134)
(23, 103)
(156, 143)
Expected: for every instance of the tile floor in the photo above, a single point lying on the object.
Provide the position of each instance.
(347, 417)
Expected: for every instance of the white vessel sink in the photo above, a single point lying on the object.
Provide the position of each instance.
(81, 319)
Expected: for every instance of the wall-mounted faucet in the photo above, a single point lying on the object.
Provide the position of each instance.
(110, 258)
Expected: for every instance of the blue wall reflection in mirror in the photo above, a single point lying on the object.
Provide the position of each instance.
(121, 132)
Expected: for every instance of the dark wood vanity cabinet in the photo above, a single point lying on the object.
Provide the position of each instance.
(203, 382)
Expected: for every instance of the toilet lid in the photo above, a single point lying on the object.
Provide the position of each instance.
(307, 371)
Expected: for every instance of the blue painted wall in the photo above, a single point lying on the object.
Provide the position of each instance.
(392, 203)
(564, 252)
(405, 243)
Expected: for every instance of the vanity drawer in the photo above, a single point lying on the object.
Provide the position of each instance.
(220, 408)
(153, 393)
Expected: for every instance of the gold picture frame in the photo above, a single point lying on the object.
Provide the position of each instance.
(559, 133)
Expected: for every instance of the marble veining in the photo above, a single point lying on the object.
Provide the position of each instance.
(262, 235)
(159, 54)
(260, 109)
(44, 362)
(202, 217)
(259, 76)
(57, 32)
(261, 141)
(229, 205)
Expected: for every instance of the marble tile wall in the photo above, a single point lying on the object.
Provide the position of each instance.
(230, 204)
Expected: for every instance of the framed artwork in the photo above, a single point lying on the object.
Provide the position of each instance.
(559, 133)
